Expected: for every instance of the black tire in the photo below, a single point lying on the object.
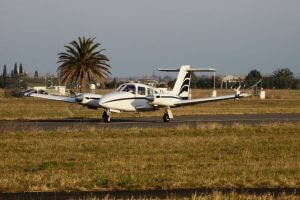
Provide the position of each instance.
(106, 117)
(166, 118)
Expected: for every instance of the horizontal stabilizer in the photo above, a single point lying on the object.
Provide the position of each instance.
(202, 70)
(189, 70)
(168, 69)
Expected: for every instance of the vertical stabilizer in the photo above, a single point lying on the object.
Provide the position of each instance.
(182, 84)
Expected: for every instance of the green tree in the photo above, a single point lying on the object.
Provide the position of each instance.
(268, 82)
(193, 80)
(4, 74)
(15, 72)
(21, 69)
(36, 74)
(296, 84)
(253, 76)
(3, 79)
(283, 78)
(83, 62)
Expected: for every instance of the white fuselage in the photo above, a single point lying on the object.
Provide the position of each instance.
(140, 98)
(124, 101)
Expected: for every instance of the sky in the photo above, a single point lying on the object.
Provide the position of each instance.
(233, 36)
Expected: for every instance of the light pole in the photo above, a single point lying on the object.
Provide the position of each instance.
(45, 81)
(214, 93)
(214, 80)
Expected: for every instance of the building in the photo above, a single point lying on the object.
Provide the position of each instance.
(231, 79)
(54, 90)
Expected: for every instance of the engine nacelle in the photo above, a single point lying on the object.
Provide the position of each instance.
(94, 104)
(163, 100)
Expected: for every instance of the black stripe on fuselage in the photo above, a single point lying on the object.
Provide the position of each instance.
(142, 98)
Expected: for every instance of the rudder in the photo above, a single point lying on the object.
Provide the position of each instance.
(182, 84)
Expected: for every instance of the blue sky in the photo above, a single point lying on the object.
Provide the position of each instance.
(234, 36)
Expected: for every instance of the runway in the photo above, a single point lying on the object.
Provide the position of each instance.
(143, 122)
(142, 194)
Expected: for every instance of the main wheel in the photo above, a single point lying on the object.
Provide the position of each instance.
(106, 117)
(166, 117)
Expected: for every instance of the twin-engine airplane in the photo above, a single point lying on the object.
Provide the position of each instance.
(136, 97)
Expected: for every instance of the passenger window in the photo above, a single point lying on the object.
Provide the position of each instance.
(150, 91)
(141, 90)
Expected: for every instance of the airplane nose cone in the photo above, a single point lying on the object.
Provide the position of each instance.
(106, 99)
(102, 102)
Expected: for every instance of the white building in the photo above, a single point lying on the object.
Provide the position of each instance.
(55, 90)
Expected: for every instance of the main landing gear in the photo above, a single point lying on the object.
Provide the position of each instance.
(168, 115)
(106, 116)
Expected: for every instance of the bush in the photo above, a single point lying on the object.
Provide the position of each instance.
(12, 93)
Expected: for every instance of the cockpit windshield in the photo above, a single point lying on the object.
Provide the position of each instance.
(119, 89)
(129, 88)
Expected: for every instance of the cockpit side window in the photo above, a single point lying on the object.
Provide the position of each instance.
(141, 90)
(129, 88)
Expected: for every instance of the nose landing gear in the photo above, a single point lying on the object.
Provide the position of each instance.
(168, 115)
(106, 116)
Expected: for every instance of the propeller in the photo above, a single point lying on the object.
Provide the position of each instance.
(79, 98)
(237, 92)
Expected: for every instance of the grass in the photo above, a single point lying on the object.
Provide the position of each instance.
(214, 196)
(209, 156)
(278, 101)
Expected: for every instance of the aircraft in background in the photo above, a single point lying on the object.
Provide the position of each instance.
(136, 97)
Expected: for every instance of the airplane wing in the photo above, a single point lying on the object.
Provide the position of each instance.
(209, 99)
(52, 97)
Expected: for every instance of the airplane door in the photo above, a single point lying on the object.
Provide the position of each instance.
(141, 101)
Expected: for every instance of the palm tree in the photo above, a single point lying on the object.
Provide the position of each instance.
(82, 61)
(283, 78)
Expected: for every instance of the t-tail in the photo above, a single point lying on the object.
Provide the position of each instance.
(183, 81)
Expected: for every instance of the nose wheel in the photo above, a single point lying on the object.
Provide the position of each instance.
(106, 116)
(168, 115)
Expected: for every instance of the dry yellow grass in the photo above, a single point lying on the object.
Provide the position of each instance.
(210, 156)
(214, 196)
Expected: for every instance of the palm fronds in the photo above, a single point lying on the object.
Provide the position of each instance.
(82, 62)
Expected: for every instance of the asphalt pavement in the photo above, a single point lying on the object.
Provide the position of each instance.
(142, 122)
(151, 194)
